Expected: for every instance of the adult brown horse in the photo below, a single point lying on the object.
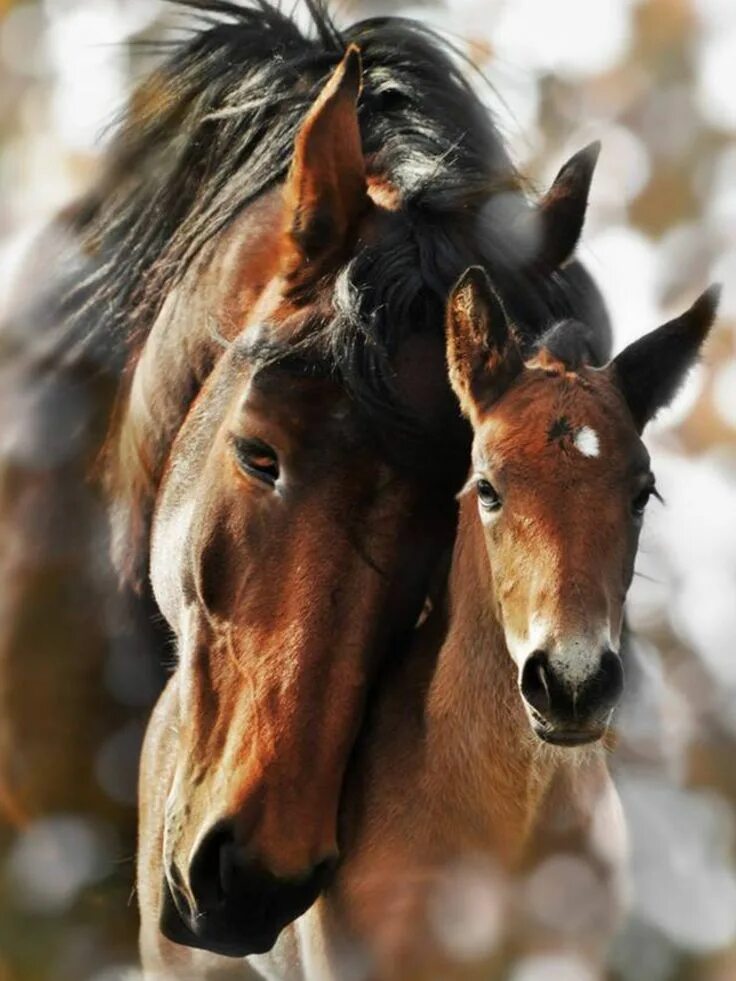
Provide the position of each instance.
(263, 355)
(479, 816)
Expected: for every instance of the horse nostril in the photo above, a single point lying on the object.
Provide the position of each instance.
(535, 682)
(212, 869)
(223, 880)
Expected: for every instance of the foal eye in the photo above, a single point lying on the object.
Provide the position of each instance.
(639, 503)
(256, 459)
(488, 495)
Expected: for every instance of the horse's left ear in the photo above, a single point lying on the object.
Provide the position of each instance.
(555, 225)
(482, 353)
(326, 189)
(649, 371)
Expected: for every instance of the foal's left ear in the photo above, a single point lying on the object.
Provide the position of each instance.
(326, 190)
(649, 371)
(482, 353)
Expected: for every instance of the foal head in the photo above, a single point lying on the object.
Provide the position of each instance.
(562, 480)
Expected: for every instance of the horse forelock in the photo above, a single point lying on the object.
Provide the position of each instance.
(213, 127)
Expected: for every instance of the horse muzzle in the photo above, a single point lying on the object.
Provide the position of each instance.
(234, 906)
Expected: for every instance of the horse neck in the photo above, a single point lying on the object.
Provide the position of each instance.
(482, 757)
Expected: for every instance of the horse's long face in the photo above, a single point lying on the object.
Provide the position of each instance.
(562, 480)
(288, 556)
(280, 558)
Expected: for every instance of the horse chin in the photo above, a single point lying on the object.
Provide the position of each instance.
(218, 935)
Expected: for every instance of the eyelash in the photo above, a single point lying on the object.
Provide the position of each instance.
(641, 499)
(488, 496)
(256, 459)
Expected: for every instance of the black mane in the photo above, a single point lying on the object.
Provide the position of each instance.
(213, 128)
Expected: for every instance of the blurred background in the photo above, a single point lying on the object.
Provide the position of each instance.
(655, 80)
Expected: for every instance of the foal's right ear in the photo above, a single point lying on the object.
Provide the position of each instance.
(482, 353)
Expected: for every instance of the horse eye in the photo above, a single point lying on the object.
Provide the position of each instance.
(256, 459)
(488, 495)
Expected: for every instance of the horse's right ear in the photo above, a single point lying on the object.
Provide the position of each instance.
(554, 226)
(482, 353)
(649, 371)
(326, 190)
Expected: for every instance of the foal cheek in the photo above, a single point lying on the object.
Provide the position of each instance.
(499, 586)
(510, 600)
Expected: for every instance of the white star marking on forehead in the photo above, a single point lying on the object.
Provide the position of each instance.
(586, 440)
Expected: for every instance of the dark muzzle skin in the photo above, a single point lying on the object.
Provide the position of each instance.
(239, 907)
(567, 715)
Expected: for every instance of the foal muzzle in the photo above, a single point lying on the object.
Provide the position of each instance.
(571, 714)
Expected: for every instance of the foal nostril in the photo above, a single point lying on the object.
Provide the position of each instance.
(535, 682)
(604, 689)
(560, 702)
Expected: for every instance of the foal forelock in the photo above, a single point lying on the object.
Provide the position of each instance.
(578, 427)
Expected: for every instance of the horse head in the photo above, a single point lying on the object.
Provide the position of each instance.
(289, 551)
